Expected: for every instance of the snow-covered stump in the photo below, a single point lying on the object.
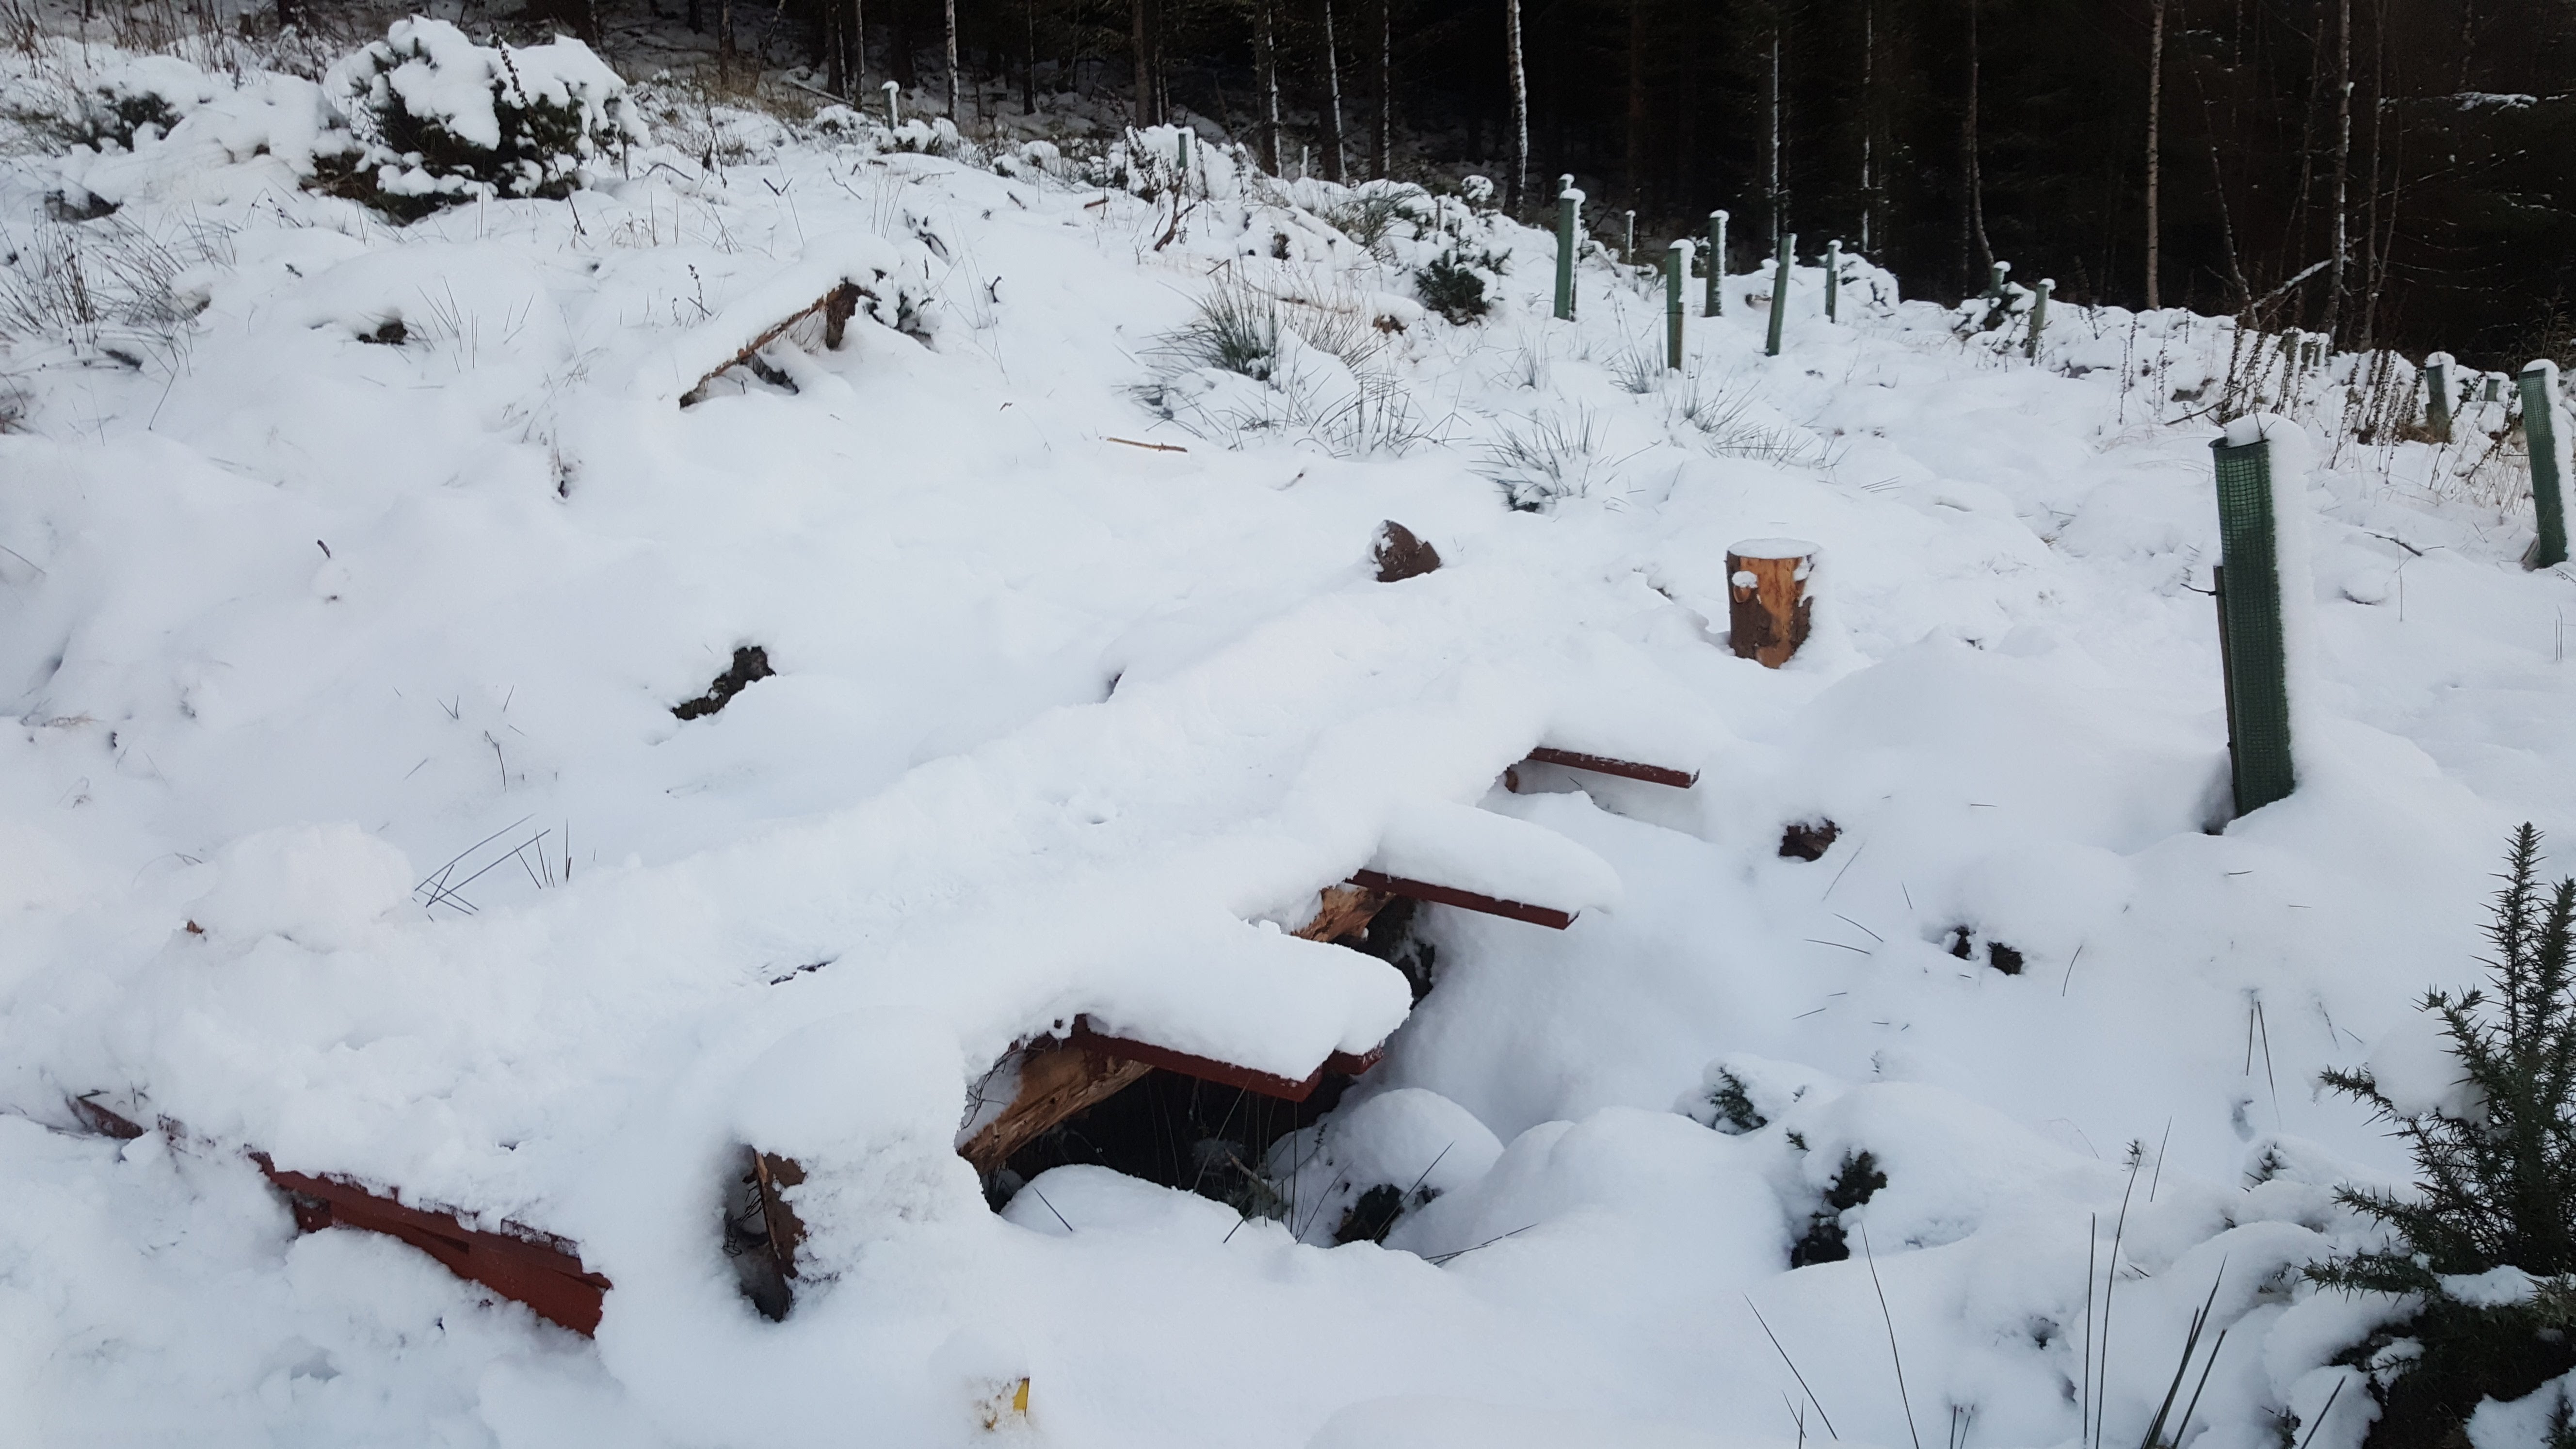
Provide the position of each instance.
(2253, 646)
(1714, 305)
(1834, 280)
(2038, 318)
(2545, 432)
(1780, 292)
(1677, 260)
(1569, 228)
(2437, 396)
(1768, 607)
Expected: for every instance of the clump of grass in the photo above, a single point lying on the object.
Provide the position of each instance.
(1727, 425)
(106, 287)
(1542, 461)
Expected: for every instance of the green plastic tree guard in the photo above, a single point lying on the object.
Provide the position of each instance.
(1780, 292)
(2437, 396)
(1677, 259)
(1569, 227)
(2038, 318)
(1628, 240)
(1184, 152)
(2540, 426)
(2253, 652)
(1995, 279)
(1834, 280)
(1715, 306)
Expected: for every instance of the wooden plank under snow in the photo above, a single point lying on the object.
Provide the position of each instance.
(521, 1263)
(1421, 890)
(1605, 765)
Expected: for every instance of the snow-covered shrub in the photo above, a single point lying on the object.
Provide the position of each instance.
(443, 120)
(1453, 283)
(2486, 1104)
(934, 137)
(1856, 1181)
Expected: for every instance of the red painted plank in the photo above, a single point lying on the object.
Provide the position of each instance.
(1605, 765)
(1395, 885)
(527, 1266)
(1205, 1069)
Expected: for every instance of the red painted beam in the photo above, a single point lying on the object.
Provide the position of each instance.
(1396, 885)
(1206, 1069)
(524, 1265)
(1604, 765)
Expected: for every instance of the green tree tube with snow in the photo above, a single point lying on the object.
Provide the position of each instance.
(2253, 633)
(1715, 305)
(2437, 396)
(1780, 292)
(2545, 431)
(1569, 230)
(1834, 280)
(1677, 260)
(2038, 318)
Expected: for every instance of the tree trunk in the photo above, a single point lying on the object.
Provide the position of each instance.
(1029, 72)
(2342, 170)
(1634, 168)
(1381, 89)
(2155, 158)
(899, 62)
(1773, 107)
(1968, 142)
(954, 95)
(724, 42)
(1869, 125)
(1265, 62)
(836, 72)
(1142, 46)
(697, 19)
(1516, 186)
(1333, 162)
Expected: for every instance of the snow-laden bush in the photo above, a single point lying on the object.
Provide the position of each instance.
(2485, 1101)
(443, 120)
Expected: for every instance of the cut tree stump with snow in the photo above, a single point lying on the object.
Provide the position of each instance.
(1400, 555)
(1768, 606)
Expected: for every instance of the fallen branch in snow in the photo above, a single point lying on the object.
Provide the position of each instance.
(835, 307)
(1150, 447)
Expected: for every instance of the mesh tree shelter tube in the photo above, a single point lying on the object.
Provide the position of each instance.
(2253, 650)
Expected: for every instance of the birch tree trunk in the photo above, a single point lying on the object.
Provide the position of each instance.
(2155, 155)
(1516, 186)
(2342, 170)
(1382, 88)
(1265, 60)
(954, 94)
(1333, 149)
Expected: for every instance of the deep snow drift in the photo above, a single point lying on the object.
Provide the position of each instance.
(346, 816)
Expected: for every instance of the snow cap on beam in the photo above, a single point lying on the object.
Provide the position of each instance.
(1467, 849)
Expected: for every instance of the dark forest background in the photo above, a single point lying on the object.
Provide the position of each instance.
(2397, 172)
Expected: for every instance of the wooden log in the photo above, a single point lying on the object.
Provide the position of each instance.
(1188, 1064)
(1420, 890)
(1342, 910)
(520, 1263)
(836, 307)
(1768, 605)
(1605, 765)
(774, 1174)
(1057, 1079)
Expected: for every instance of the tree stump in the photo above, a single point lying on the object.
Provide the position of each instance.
(1767, 598)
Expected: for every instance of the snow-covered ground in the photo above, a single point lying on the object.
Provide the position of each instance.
(307, 634)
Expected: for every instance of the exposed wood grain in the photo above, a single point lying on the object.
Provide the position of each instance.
(1767, 605)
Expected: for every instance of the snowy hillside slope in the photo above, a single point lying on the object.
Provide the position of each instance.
(346, 817)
